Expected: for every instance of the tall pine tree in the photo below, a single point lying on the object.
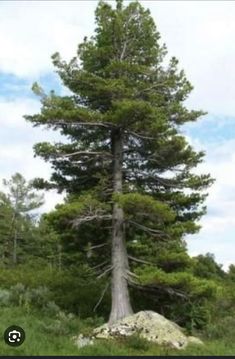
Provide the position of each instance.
(20, 199)
(126, 165)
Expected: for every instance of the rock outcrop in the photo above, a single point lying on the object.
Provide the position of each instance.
(149, 325)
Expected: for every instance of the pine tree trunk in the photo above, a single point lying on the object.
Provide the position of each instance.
(121, 306)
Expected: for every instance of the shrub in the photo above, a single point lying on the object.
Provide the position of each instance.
(222, 329)
(4, 297)
(51, 309)
(72, 290)
(29, 297)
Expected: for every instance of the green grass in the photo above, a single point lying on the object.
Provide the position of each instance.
(52, 336)
(39, 341)
(210, 348)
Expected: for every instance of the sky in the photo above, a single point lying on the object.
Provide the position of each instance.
(199, 33)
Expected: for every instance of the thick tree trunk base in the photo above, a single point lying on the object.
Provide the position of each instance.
(121, 306)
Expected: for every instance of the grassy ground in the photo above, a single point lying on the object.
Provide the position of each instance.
(51, 335)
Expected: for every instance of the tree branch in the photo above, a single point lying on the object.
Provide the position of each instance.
(99, 265)
(140, 135)
(166, 182)
(156, 85)
(78, 221)
(126, 40)
(77, 124)
(101, 297)
(163, 181)
(152, 231)
(140, 260)
(123, 51)
(98, 246)
(87, 153)
(105, 272)
(153, 288)
(131, 274)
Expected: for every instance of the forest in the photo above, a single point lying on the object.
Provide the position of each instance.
(117, 244)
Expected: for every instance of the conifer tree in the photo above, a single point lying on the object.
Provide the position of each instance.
(18, 202)
(6, 215)
(125, 163)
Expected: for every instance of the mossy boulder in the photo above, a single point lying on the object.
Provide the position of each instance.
(150, 326)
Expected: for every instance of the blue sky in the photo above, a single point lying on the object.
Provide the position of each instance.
(200, 34)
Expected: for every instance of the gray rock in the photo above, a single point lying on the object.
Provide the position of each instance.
(194, 340)
(150, 326)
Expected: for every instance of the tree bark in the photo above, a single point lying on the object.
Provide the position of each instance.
(121, 306)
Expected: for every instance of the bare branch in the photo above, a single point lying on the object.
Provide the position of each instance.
(140, 260)
(99, 246)
(86, 153)
(140, 135)
(101, 297)
(131, 274)
(78, 124)
(99, 265)
(78, 221)
(152, 231)
(105, 272)
(127, 40)
(153, 288)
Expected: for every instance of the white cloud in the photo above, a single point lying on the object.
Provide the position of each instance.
(218, 226)
(16, 144)
(201, 35)
(32, 31)
(12, 111)
(19, 158)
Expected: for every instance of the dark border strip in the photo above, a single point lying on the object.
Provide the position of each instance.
(124, 356)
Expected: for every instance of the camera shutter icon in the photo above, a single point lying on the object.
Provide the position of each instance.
(14, 336)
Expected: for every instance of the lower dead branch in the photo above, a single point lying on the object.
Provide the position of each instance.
(131, 274)
(152, 231)
(140, 135)
(99, 265)
(98, 246)
(105, 272)
(101, 297)
(154, 288)
(141, 260)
